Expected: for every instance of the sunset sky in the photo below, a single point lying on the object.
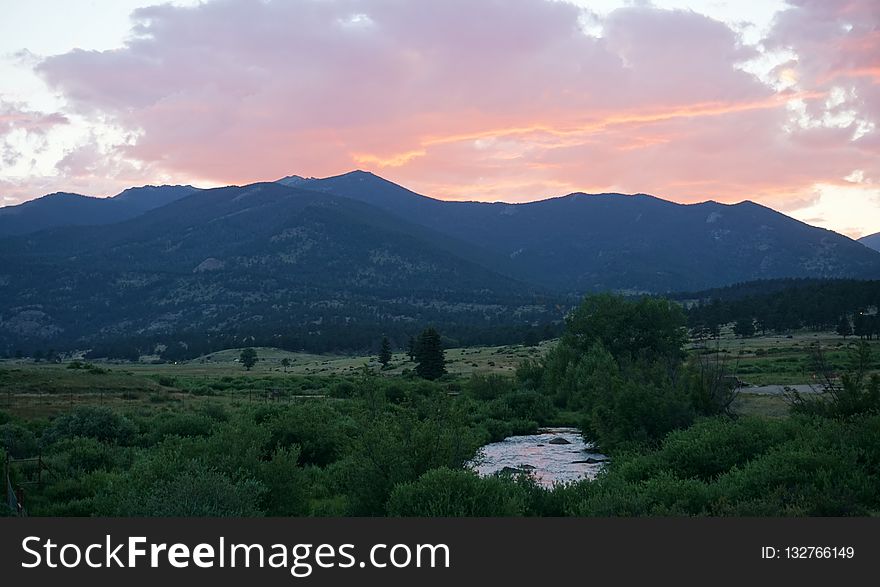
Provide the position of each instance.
(516, 100)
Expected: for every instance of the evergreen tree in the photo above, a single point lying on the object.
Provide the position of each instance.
(429, 356)
(385, 352)
(744, 327)
(248, 358)
(843, 326)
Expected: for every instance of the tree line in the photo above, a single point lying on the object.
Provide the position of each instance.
(847, 306)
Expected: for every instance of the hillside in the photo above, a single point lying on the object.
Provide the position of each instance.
(279, 264)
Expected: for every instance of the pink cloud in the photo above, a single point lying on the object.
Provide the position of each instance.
(484, 98)
(15, 116)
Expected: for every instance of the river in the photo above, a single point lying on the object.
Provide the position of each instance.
(543, 455)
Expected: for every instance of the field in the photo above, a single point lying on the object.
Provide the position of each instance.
(32, 389)
(784, 359)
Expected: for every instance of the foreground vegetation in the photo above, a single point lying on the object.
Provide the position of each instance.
(363, 441)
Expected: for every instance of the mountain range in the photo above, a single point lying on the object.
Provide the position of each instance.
(336, 262)
(66, 209)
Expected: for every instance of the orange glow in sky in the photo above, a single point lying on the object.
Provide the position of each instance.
(688, 100)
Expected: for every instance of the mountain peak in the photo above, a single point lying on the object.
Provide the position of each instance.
(359, 174)
(293, 180)
(150, 189)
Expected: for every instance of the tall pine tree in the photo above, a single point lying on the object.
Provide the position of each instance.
(385, 352)
(844, 328)
(429, 356)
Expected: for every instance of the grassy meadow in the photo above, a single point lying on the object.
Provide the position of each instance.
(36, 389)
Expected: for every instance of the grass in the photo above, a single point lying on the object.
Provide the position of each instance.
(754, 404)
(785, 360)
(43, 389)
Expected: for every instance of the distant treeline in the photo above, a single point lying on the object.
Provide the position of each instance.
(781, 305)
(848, 306)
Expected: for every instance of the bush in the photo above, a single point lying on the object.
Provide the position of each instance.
(713, 447)
(396, 393)
(523, 405)
(456, 493)
(181, 425)
(18, 441)
(197, 491)
(342, 389)
(286, 484)
(632, 412)
(81, 455)
(398, 446)
(797, 480)
(488, 387)
(749, 467)
(316, 428)
(102, 424)
(662, 495)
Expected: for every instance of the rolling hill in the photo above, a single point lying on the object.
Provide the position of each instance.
(286, 266)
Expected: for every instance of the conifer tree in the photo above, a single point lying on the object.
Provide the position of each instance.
(429, 356)
(385, 352)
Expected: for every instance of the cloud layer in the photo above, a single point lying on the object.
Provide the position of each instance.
(490, 99)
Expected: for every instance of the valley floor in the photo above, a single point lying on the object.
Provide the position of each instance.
(765, 364)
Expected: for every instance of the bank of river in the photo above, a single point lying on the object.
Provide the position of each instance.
(553, 455)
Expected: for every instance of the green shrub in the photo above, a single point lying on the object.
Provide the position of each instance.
(662, 495)
(81, 455)
(488, 387)
(286, 484)
(342, 389)
(186, 424)
(316, 428)
(18, 441)
(714, 446)
(100, 423)
(196, 491)
(446, 492)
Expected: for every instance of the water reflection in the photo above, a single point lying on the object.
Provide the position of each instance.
(553, 455)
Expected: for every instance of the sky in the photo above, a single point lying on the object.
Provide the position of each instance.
(772, 101)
